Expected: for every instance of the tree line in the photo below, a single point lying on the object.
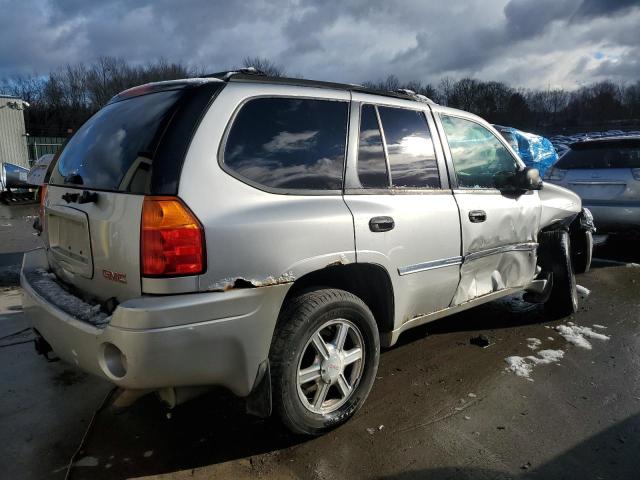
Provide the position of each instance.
(61, 101)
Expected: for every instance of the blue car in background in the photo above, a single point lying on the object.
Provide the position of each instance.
(534, 150)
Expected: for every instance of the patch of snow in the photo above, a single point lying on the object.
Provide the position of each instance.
(519, 366)
(47, 285)
(582, 291)
(523, 366)
(471, 395)
(534, 343)
(546, 357)
(550, 338)
(601, 327)
(147, 454)
(578, 335)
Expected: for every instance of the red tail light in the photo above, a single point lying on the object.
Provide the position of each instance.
(172, 239)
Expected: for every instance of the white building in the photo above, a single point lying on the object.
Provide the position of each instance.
(13, 144)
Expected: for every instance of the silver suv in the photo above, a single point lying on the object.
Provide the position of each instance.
(270, 235)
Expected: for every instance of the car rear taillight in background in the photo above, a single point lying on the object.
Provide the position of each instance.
(555, 174)
(42, 197)
(172, 239)
(636, 173)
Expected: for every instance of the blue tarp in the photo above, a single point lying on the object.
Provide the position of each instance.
(534, 150)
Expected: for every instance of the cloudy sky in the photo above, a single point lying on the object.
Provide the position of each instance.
(531, 43)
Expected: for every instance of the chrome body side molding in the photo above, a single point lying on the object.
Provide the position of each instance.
(421, 267)
(447, 262)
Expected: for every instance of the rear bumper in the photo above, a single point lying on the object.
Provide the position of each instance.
(616, 217)
(212, 338)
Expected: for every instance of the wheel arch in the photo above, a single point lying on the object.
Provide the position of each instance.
(369, 282)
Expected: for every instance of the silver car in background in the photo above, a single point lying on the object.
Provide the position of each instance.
(605, 173)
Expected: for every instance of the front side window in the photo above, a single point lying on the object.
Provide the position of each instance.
(476, 153)
(372, 164)
(412, 158)
(289, 143)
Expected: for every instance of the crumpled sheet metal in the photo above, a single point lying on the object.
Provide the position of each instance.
(493, 273)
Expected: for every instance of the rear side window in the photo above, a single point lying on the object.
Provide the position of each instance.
(114, 149)
(289, 143)
(412, 158)
(372, 164)
(601, 156)
(476, 153)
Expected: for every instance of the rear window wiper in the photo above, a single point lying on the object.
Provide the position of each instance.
(73, 179)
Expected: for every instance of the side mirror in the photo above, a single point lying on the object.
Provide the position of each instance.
(519, 181)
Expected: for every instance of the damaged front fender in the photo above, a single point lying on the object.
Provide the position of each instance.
(559, 206)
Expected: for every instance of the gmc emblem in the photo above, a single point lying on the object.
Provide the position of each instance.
(114, 276)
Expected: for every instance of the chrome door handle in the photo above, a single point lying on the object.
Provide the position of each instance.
(381, 224)
(477, 216)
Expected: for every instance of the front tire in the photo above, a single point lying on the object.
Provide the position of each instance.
(582, 251)
(324, 358)
(555, 257)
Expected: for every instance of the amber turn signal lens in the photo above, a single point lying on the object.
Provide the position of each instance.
(172, 239)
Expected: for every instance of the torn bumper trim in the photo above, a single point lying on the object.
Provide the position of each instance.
(154, 342)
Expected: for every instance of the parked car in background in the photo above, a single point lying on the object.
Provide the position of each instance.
(268, 235)
(13, 184)
(534, 150)
(39, 169)
(605, 172)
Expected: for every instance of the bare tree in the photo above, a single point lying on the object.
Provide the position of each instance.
(66, 97)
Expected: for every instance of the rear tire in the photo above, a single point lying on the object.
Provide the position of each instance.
(555, 257)
(582, 251)
(319, 378)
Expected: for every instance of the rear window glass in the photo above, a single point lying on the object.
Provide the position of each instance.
(289, 143)
(114, 149)
(601, 157)
(412, 158)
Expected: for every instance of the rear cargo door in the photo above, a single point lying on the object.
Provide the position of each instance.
(96, 190)
(95, 246)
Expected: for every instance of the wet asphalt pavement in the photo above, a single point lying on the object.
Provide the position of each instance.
(440, 408)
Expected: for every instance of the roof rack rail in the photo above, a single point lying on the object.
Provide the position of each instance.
(227, 75)
(413, 95)
(252, 74)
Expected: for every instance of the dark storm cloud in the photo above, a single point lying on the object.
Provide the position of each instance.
(530, 42)
(592, 8)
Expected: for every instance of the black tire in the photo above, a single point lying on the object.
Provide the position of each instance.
(581, 251)
(300, 318)
(555, 257)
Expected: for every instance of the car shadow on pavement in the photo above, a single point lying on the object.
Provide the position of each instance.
(148, 439)
(508, 312)
(611, 453)
(616, 249)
